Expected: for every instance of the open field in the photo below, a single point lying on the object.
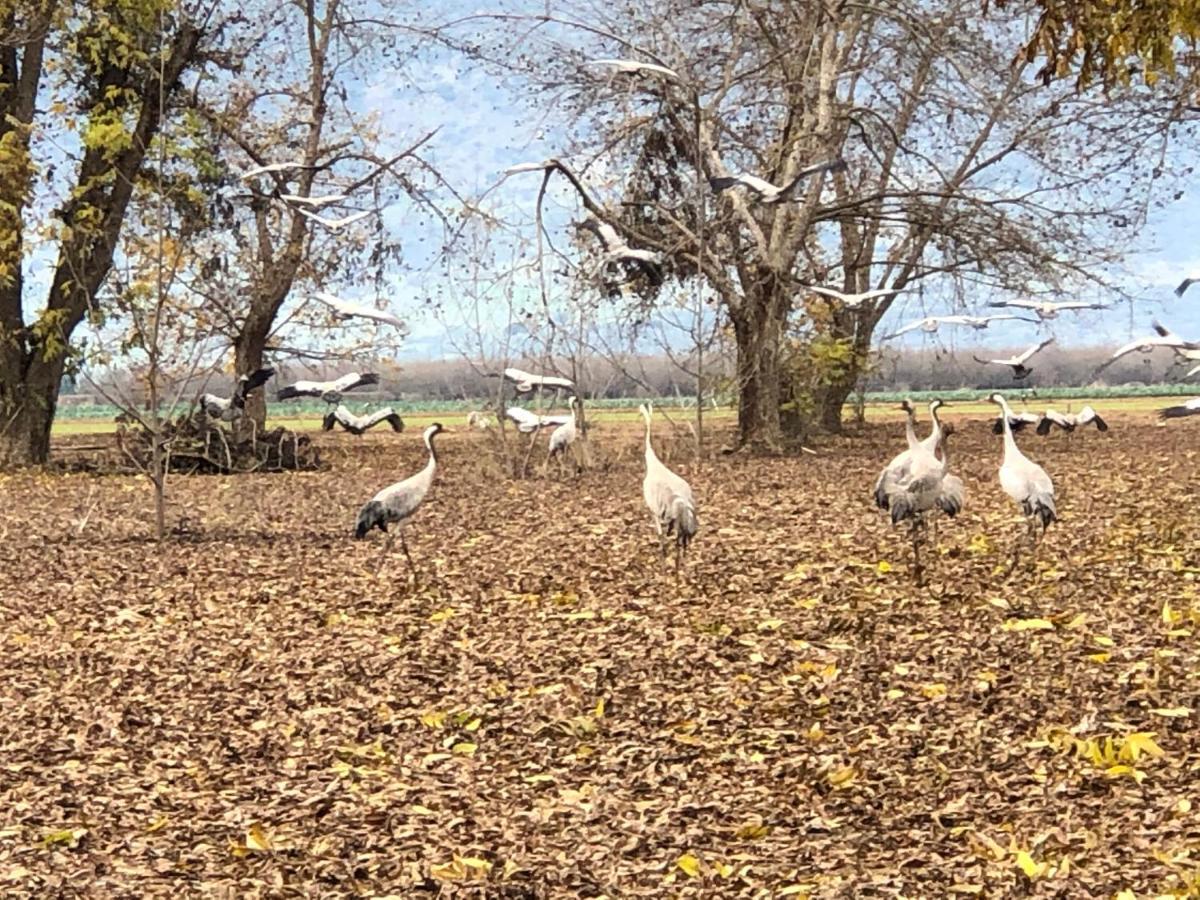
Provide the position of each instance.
(264, 707)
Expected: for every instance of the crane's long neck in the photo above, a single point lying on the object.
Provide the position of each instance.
(432, 464)
(651, 456)
(937, 422)
(910, 433)
(1010, 443)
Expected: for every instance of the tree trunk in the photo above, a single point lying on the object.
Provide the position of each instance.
(757, 331)
(27, 406)
(831, 397)
(248, 352)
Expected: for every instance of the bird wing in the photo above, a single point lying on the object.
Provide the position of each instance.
(329, 421)
(913, 326)
(633, 65)
(1080, 305)
(529, 167)
(1184, 285)
(347, 308)
(1020, 304)
(1147, 342)
(257, 379)
(214, 405)
(351, 380)
(756, 184)
(828, 292)
(334, 224)
(526, 420)
(1024, 357)
(376, 417)
(1190, 408)
(554, 420)
(273, 167)
(313, 202)
(302, 389)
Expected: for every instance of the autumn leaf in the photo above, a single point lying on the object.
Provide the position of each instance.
(689, 865)
(1028, 625)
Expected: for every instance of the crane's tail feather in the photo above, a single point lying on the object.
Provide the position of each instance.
(1042, 506)
(902, 506)
(328, 422)
(287, 392)
(683, 517)
(370, 516)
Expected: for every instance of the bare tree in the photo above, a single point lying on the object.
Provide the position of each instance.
(301, 225)
(961, 170)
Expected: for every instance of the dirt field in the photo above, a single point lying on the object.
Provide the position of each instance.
(264, 708)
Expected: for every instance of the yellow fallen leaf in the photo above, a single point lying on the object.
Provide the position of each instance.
(1103, 641)
(1026, 864)
(1121, 770)
(464, 748)
(1174, 712)
(842, 777)
(770, 624)
(157, 825)
(258, 839)
(1028, 625)
(752, 831)
(1099, 657)
(724, 870)
(474, 862)
(689, 865)
(68, 837)
(796, 890)
(1140, 742)
(933, 691)
(419, 810)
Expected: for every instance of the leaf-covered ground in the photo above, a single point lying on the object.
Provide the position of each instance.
(264, 707)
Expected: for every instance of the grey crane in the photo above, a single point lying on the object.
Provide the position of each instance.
(528, 422)
(898, 467)
(344, 309)
(396, 503)
(329, 391)
(524, 382)
(563, 437)
(360, 424)
(1070, 421)
(854, 300)
(229, 409)
(921, 487)
(669, 499)
(770, 193)
(1163, 337)
(1020, 371)
(1045, 310)
(1025, 482)
(617, 250)
(931, 324)
(895, 469)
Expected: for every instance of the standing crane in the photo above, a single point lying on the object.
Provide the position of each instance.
(1026, 482)
(669, 499)
(395, 504)
(562, 438)
(921, 487)
(895, 469)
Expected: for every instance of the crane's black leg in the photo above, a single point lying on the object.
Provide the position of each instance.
(411, 565)
(918, 566)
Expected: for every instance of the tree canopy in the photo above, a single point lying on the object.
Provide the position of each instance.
(1111, 41)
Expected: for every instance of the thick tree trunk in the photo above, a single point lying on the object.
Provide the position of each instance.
(248, 350)
(27, 406)
(758, 331)
(830, 399)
